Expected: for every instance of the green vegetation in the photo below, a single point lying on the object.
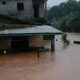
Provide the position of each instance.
(64, 39)
(66, 16)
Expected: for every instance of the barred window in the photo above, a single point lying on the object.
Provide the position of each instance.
(20, 6)
(3, 2)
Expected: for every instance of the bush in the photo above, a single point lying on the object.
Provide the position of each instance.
(64, 39)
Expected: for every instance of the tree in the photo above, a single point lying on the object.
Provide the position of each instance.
(66, 16)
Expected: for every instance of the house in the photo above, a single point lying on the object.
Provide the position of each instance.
(22, 25)
(23, 9)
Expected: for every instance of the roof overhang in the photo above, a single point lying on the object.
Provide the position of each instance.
(30, 31)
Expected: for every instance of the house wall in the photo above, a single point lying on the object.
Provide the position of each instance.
(41, 10)
(4, 44)
(10, 9)
(36, 41)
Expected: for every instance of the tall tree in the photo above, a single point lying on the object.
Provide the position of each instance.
(66, 16)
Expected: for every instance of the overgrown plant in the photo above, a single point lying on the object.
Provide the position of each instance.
(64, 39)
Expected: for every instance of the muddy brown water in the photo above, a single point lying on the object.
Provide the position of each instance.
(63, 64)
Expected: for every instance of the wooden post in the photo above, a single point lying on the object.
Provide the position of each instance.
(53, 43)
(38, 54)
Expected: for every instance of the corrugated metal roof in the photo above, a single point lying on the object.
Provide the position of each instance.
(37, 30)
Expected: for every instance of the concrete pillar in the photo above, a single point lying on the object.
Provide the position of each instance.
(53, 43)
(45, 5)
(9, 45)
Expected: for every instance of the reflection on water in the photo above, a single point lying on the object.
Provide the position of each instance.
(65, 46)
(63, 64)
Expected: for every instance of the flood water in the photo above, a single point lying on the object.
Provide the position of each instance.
(63, 64)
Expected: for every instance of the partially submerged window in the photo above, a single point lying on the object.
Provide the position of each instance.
(20, 6)
(3, 2)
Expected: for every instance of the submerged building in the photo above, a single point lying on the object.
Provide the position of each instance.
(23, 25)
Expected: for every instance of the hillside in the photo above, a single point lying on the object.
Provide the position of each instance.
(66, 16)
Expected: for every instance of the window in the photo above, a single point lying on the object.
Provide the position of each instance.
(3, 2)
(20, 6)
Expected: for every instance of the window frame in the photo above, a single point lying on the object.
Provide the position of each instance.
(20, 6)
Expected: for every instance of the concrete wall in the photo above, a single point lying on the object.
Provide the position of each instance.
(10, 8)
(36, 41)
(4, 44)
(41, 11)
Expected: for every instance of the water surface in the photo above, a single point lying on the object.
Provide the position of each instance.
(63, 64)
